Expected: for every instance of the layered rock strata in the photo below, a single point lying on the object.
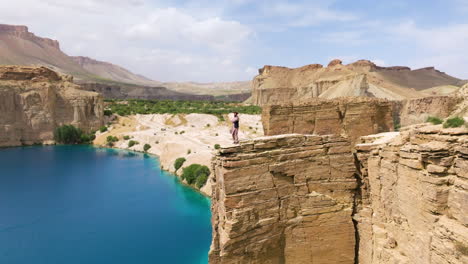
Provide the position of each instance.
(284, 199)
(348, 117)
(399, 197)
(34, 101)
(278, 85)
(414, 198)
(417, 111)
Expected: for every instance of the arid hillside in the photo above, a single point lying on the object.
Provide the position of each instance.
(276, 85)
(18, 46)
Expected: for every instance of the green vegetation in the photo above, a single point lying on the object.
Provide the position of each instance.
(189, 151)
(178, 163)
(454, 122)
(68, 134)
(132, 143)
(137, 106)
(107, 112)
(201, 180)
(126, 137)
(434, 120)
(111, 140)
(146, 147)
(103, 129)
(196, 174)
(217, 146)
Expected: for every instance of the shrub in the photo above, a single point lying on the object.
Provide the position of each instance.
(107, 112)
(201, 180)
(146, 147)
(462, 248)
(217, 146)
(434, 120)
(132, 143)
(208, 125)
(68, 134)
(126, 137)
(103, 129)
(192, 172)
(178, 163)
(454, 122)
(189, 151)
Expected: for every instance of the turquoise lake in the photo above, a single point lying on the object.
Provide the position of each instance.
(86, 205)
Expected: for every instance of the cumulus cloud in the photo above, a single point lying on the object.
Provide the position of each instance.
(162, 42)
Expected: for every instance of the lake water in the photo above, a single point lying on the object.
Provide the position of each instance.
(80, 204)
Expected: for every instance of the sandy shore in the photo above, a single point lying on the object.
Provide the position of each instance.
(191, 136)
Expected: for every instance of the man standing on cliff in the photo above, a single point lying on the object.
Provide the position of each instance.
(235, 128)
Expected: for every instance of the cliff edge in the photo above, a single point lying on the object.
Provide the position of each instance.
(35, 100)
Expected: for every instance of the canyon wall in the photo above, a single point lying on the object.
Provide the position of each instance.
(417, 110)
(279, 85)
(348, 117)
(399, 197)
(35, 100)
(414, 198)
(284, 199)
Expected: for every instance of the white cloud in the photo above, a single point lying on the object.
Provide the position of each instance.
(443, 47)
(164, 43)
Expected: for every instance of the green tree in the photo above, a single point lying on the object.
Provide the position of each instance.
(146, 147)
(178, 163)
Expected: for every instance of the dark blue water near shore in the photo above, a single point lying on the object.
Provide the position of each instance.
(79, 204)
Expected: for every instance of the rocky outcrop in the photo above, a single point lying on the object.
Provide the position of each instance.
(414, 197)
(417, 111)
(23, 32)
(34, 101)
(284, 199)
(278, 85)
(348, 117)
(401, 198)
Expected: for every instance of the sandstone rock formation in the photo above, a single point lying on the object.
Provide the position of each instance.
(18, 46)
(401, 198)
(413, 201)
(416, 111)
(34, 101)
(276, 85)
(348, 117)
(284, 199)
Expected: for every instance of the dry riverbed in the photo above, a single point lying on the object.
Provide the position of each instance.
(192, 136)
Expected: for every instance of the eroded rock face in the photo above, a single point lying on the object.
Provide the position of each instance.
(402, 197)
(417, 111)
(279, 85)
(348, 117)
(284, 199)
(34, 101)
(414, 198)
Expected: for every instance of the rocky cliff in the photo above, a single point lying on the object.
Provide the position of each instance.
(401, 198)
(284, 199)
(276, 85)
(348, 117)
(35, 100)
(413, 202)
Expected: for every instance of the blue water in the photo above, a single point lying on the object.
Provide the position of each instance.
(79, 204)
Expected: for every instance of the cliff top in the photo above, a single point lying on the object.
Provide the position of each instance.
(25, 73)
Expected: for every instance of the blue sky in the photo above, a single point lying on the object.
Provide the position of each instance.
(228, 40)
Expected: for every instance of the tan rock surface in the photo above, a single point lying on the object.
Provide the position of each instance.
(414, 198)
(284, 199)
(348, 117)
(34, 101)
(276, 85)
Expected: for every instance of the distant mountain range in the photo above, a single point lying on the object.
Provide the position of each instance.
(277, 84)
(18, 46)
